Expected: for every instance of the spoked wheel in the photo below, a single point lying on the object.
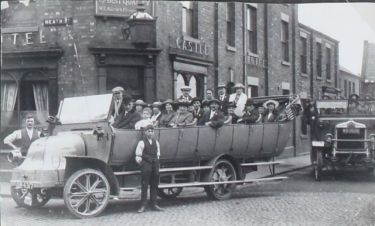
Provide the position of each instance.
(169, 193)
(30, 198)
(221, 172)
(86, 193)
(318, 166)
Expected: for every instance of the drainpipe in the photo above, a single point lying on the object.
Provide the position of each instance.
(312, 65)
(294, 27)
(266, 49)
(216, 44)
(244, 21)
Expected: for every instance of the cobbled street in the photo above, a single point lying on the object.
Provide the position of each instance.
(345, 199)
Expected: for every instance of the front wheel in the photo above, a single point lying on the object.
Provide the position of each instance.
(30, 198)
(222, 171)
(86, 193)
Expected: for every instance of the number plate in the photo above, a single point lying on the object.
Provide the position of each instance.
(350, 131)
(318, 143)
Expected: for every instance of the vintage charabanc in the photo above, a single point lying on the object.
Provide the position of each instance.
(88, 162)
(343, 135)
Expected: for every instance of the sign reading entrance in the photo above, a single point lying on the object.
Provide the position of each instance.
(118, 8)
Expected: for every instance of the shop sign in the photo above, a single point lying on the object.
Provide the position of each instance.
(193, 46)
(58, 21)
(256, 61)
(23, 38)
(118, 8)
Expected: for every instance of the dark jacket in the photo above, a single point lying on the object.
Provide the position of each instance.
(250, 116)
(26, 141)
(272, 118)
(224, 103)
(217, 119)
(127, 121)
(121, 109)
(198, 115)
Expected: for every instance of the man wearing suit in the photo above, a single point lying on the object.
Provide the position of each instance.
(118, 105)
(214, 118)
(185, 97)
(129, 118)
(197, 111)
(223, 97)
(239, 98)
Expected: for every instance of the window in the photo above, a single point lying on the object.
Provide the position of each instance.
(285, 40)
(190, 19)
(130, 78)
(319, 59)
(304, 55)
(328, 63)
(231, 74)
(230, 23)
(252, 91)
(345, 88)
(251, 25)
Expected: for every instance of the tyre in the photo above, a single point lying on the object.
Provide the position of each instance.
(222, 171)
(34, 198)
(86, 193)
(318, 166)
(169, 193)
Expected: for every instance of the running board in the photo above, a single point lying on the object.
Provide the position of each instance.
(262, 163)
(199, 184)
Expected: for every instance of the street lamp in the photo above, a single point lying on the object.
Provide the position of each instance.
(141, 26)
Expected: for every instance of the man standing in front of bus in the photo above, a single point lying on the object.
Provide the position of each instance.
(147, 156)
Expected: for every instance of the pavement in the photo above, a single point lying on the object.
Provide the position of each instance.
(287, 165)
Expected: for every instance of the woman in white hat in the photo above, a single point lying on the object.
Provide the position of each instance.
(270, 114)
(239, 98)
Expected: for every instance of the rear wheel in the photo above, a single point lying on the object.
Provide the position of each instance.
(222, 171)
(34, 198)
(169, 193)
(318, 165)
(86, 193)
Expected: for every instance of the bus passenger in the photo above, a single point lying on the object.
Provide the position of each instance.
(214, 118)
(156, 113)
(205, 106)
(197, 110)
(270, 114)
(129, 118)
(261, 111)
(146, 119)
(183, 116)
(167, 114)
(139, 105)
(240, 98)
(231, 117)
(251, 115)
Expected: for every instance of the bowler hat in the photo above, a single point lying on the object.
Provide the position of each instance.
(268, 102)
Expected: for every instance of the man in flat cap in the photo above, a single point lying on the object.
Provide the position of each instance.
(147, 155)
(185, 97)
(118, 106)
(214, 118)
(239, 98)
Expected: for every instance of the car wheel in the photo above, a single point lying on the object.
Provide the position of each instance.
(169, 193)
(222, 171)
(86, 193)
(26, 198)
(318, 166)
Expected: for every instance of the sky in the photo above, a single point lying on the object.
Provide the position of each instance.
(349, 23)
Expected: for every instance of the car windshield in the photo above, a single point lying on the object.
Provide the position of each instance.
(85, 109)
(345, 107)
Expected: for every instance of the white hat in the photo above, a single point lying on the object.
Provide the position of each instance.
(185, 88)
(239, 85)
(270, 102)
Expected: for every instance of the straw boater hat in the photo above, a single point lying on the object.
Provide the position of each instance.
(140, 102)
(185, 88)
(117, 89)
(270, 102)
(239, 86)
(156, 104)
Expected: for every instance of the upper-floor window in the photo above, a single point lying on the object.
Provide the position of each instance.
(285, 40)
(319, 59)
(251, 25)
(190, 18)
(303, 55)
(328, 63)
(231, 23)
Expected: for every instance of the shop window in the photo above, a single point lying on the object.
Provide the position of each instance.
(285, 40)
(231, 23)
(251, 13)
(130, 78)
(318, 59)
(328, 63)
(190, 18)
(303, 55)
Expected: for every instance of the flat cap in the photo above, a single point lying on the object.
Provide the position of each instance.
(117, 89)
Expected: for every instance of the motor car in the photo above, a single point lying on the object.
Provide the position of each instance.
(343, 136)
(87, 162)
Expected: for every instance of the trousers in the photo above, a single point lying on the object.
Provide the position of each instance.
(149, 177)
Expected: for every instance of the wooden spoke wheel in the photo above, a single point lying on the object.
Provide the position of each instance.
(86, 193)
(30, 198)
(318, 166)
(221, 172)
(169, 193)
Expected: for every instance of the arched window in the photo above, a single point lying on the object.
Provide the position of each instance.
(193, 85)
(179, 83)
